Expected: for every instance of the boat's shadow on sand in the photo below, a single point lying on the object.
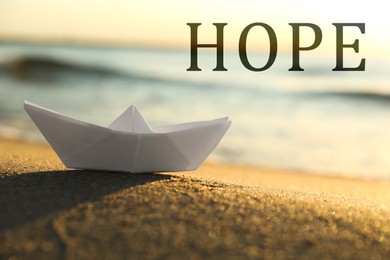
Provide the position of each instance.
(26, 197)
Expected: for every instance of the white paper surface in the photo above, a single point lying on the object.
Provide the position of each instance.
(128, 144)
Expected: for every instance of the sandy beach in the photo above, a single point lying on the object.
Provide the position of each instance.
(218, 211)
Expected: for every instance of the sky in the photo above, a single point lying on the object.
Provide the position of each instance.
(164, 23)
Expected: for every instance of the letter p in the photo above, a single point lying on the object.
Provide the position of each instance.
(295, 45)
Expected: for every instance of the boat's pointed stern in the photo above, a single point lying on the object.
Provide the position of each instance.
(67, 136)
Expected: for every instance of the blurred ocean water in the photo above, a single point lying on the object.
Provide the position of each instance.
(316, 120)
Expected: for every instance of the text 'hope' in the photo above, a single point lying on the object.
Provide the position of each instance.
(296, 48)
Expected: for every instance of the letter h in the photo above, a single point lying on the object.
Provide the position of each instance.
(195, 45)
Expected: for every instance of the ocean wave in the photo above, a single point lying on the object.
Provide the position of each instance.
(41, 68)
(55, 70)
(36, 67)
(350, 95)
(46, 68)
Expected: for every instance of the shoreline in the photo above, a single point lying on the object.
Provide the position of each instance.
(253, 176)
(216, 211)
(250, 167)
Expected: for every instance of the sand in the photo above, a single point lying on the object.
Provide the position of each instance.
(218, 211)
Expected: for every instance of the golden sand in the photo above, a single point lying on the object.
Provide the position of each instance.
(217, 211)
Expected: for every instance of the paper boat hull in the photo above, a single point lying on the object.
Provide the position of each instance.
(82, 145)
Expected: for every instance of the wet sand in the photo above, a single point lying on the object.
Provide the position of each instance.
(218, 211)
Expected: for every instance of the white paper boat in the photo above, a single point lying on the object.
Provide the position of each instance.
(129, 144)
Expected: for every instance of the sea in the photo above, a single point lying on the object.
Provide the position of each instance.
(317, 121)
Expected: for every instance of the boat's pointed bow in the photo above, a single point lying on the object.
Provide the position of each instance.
(197, 143)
